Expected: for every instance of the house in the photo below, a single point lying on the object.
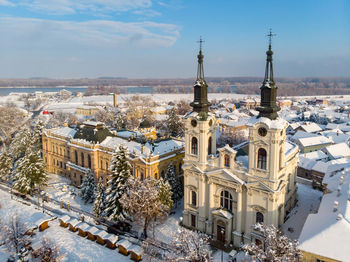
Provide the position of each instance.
(326, 234)
(309, 144)
(309, 127)
(337, 151)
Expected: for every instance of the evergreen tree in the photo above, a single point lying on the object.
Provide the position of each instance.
(88, 188)
(38, 130)
(5, 166)
(174, 123)
(174, 182)
(120, 168)
(30, 173)
(100, 201)
(22, 140)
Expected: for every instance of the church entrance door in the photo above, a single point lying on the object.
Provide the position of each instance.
(221, 233)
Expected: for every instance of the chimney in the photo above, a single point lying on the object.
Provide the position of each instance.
(335, 206)
(115, 100)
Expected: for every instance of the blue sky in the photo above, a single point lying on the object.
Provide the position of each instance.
(157, 39)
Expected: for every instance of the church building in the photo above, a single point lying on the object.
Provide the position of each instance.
(229, 189)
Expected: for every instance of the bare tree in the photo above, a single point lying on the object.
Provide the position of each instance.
(48, 251)
(13, 234)
(232, 139)
(191, 246)
(275, 246)
(183, 107)
(147, 201)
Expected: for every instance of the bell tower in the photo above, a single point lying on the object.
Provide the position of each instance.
(200, 124)
(267, 132)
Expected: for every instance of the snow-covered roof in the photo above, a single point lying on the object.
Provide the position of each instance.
(222, 212)
(302, 134)
(112, 238)
(311, 127)
(64, 131)
(159, 148)
(124, 243)
(65, 218)
(327, 233)
(312, 141)
(228, 148)
(135, 249)
(306, 163)
(338, 150)
(290, 148)
(278, 123)
(315, 155)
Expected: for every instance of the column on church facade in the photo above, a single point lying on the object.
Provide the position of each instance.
(236, 237)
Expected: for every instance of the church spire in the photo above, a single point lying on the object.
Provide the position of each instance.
(268, 105)
(200, 102)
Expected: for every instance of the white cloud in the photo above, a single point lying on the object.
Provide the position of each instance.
(6, 3)
(74, 6)
(41, 33)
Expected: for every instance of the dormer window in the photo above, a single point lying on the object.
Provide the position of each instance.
(227, 160)
(262, 158)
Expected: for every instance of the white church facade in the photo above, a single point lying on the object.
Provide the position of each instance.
(227, 190)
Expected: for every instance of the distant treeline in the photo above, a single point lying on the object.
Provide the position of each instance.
(242, 85)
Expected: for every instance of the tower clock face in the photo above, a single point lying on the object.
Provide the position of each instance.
(193, 123)
(262, 131)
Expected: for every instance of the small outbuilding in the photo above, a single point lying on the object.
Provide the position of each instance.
(82, 227)
(124, 246)
(91, 232)
(64, 220)
(101, 237)
(135, 252)
(73, 224)
(111, 241)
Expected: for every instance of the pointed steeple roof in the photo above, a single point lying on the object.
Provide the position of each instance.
(200, 102)
(268, 105)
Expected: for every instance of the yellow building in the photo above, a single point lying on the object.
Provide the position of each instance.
(66, 153)
(88, 110)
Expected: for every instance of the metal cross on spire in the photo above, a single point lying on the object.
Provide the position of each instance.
(201, 41)
(270, 35)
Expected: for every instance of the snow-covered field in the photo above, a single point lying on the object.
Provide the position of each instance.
(308, 202)
(59, 188)
(74, 247)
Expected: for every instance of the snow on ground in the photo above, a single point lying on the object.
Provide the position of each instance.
(75, 247)
(308, 202)
(78, 248)
(59, 188)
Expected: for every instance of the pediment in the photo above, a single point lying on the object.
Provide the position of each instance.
(224, 174)
(259, 185)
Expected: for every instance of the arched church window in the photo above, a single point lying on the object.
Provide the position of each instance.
(193, 198)
(194, 146)
(226, 200)
(209, 146)
(227, 160)
(262, 158)
(76, 157)
(259, 217)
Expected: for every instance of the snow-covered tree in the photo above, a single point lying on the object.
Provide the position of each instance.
(100, 201)
(174, 182)
(30, 173)
(191, 246)
(12, 234)
(38, 130)
(88, 188)
(5, 166)
(147, 201)
(22, 140)
(275, 246)
(48, 251)
(120, 169)
(174, 123)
